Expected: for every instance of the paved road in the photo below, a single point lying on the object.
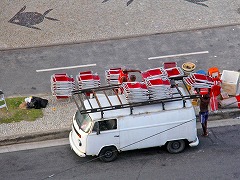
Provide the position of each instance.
(217, 157)
(18, 74)
(81, 20)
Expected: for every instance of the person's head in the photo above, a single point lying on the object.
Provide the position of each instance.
(206, 96)
(132, 78)
(123, 79)
(125, 71)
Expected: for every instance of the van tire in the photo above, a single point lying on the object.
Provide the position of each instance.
(176, 146)
(108, 154)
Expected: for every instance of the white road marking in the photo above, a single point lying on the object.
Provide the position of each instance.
(178, 55)
(69, 67)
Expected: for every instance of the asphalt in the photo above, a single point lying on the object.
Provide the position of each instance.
(65, 141)
(81, 21)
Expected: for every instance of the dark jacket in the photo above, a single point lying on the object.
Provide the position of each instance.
(204, 102)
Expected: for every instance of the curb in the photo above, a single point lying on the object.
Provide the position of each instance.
(40, 136)
(223, 114)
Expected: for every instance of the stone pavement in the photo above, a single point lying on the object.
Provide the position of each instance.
(55, 123)
(28, 23)
(57, 120)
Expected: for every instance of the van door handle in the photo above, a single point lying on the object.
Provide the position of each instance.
(116, 136)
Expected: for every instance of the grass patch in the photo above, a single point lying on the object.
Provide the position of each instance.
(16, 114)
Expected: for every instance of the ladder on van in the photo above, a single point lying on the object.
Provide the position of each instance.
(83, 94)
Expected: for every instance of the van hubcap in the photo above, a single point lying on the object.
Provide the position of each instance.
(108, 154)
(176, 145)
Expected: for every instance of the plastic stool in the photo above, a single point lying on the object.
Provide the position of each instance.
(214, 72)
(201, 72)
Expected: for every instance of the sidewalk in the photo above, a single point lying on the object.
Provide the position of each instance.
(57, 120)
(55, 123)
(63, 22)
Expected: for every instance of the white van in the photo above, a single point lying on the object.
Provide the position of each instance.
(108, 125)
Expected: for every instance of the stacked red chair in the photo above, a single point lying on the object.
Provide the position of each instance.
(154, 73)
(87, 80)
(172, 69)
(199, 80)
(174, 72)
(167, 65)
(135, 91)
(62, 85)
(232, 102)
(112, 76)
(159, 88)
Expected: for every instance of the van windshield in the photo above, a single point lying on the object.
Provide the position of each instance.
(84, 121)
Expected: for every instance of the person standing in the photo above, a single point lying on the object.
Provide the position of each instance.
(132, 78)
(203, 114)
(123, 76)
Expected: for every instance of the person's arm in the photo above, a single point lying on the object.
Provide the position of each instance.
(205, 99)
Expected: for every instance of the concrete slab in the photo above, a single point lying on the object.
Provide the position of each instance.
(83, 20)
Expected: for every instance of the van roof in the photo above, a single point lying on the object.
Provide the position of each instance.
(104, 102)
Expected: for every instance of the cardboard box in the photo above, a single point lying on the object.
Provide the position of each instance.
(230, 82)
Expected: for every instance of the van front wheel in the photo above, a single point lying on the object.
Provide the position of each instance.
(108, 154)
(175, 146)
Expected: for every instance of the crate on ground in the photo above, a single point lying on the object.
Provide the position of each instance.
(230, 82)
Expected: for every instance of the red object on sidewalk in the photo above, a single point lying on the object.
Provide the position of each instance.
(214, 72)
(215, 90)
(213, 103)
(238, 100)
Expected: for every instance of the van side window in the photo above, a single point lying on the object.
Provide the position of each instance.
(106, 125)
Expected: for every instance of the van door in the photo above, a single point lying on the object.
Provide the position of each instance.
(108, 136)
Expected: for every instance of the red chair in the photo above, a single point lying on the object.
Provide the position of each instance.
(167, 65)
(214, 72)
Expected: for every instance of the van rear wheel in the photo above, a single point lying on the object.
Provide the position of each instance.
(176, 146)
(108, 154)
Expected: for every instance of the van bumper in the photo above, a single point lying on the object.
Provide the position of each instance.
(74, 148)
(194, 143)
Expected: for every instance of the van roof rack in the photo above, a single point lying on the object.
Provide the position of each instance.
(83, 94)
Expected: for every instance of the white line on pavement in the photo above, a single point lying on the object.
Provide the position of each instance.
(69, 67)
(178, 55)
